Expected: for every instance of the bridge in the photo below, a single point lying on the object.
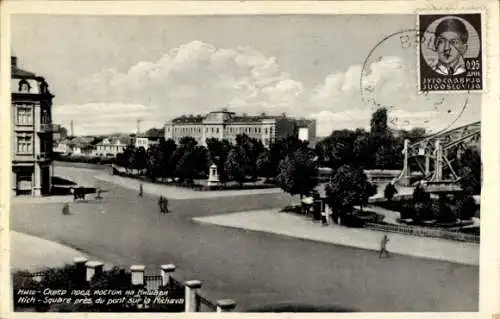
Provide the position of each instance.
(434, 155)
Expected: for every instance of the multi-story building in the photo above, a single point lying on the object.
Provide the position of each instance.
(227, 125)
(31, 132)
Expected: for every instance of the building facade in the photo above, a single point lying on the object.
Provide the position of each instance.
(31, 103)
(109, 147)
(227, 125)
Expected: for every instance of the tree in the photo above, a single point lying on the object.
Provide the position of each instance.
(202, 158)
(152, 164)
(378, 123)
(343, 147)
(348, 187)
(469, 170)
(281, 149)
(189, 160)
(166, 150)
(415, 134)
(129, 157)
(155, 132)
(251, 148)
(264, 165)
(236, 164)
(140, 157)
(298, 172)
(421, 205)
(362, 150)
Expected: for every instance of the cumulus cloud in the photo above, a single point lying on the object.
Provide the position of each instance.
(198, 77)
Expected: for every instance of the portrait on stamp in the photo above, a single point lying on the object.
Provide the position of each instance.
(450, 52)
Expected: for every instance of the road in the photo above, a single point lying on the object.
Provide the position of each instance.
(253, 268)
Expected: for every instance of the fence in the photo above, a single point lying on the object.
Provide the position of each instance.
(128, 171)
(424, 232)
(194, 300)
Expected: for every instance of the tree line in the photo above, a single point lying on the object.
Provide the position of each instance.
(293, 164)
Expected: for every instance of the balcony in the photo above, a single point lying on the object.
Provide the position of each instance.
(46, 128)
(44, 156)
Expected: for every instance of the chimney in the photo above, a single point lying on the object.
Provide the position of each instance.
(13, 61)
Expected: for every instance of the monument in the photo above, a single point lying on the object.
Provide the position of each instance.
(213, 176)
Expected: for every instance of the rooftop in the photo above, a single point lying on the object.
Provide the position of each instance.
(230, 117)
(16, 72)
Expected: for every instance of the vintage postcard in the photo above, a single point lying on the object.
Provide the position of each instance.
(243, 157)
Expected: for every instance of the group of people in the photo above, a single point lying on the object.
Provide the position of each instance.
(162, 201)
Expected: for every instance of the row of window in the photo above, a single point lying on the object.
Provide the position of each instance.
(109, 147)
(24, 144)
(24, 115)
(216, 130)
(265, 141)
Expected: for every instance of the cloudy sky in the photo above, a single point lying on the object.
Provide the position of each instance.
(109, 71)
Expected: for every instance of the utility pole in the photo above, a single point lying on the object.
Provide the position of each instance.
(138, 126)
(72, 128)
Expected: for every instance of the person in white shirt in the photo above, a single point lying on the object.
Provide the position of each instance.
(451, 44)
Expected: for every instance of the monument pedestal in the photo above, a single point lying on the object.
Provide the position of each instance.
(213, 176)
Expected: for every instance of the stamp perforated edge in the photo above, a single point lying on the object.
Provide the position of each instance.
(486, 66)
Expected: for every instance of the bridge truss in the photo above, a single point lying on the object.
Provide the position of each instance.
(435, 154)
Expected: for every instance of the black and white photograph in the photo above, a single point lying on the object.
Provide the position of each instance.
(244, 163)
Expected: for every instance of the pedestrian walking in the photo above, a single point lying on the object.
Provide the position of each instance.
(141, 190)
(163, 204)
(389, 191)
(65, 209)
(383, 246)
(160, 204)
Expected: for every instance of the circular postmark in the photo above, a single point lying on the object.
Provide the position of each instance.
(389, 79)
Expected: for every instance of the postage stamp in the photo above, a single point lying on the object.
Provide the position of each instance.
(170, 159)
(450, 52)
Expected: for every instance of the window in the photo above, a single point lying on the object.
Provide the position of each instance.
(24, 144)
(24, 115)
(265, 130)
(217, 130)
(24, 86)
(212, 129)
(45, 117)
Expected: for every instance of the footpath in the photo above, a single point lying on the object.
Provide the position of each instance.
(286, 224)
(35, 254)
(175, 192)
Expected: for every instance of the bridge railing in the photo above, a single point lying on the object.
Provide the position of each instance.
(194, 300)
(425, 232)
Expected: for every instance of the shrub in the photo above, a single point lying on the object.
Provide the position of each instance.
(22, 280)
(60, 278)
(466, 208)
